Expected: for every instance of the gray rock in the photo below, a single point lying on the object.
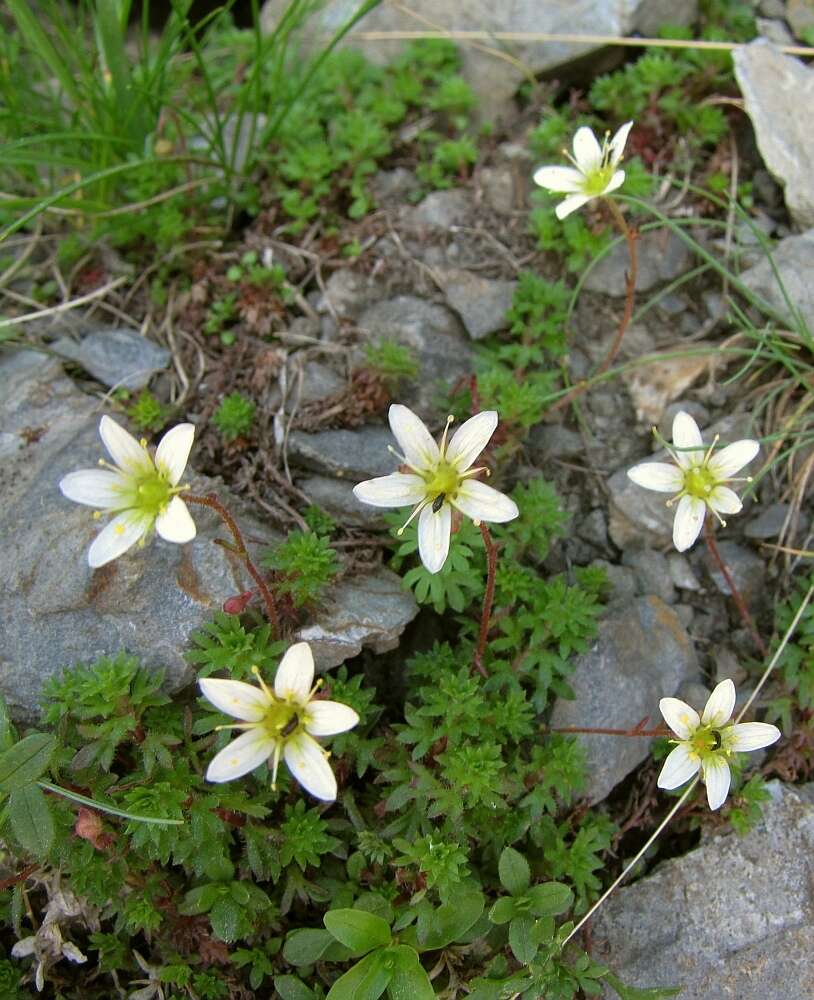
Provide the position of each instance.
(652, 571)
(394, 185)
(318, 382)
(779, 91)
(116, 356)
(681, 572)
(731, 919)
(642, 517)
(493, 79)
(366, 612)
(554, 441)
(482, 303)
(746, 568)
(54, 610)
(774, 30)
(769, 522)
(356, 455)
(498, 184)
(772, 8)
(435, 335)
(593, 528)
(642, 653)
(800, 15)
(621, 579)
(336, 497)
(685, 614)
(697, 411)
(440, 210)
(794, 259)
(662, 256)
(347, 293)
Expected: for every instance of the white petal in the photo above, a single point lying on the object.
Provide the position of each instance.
(295, 675)
(414, 439)
(325, 718)
(681, 764)
(125, 451)
(571, 204)
(686, 435)
(172, 453)
(482, 503)
(718, 709)
(433, 537)
(564, 179)
(617, 143)
(307, 763)
(241, 756)
(615, 182)
(688, 522)
(716, 777)
(659, 476)
(725, 501)
(731, 459)
(680, 717)
(396, 490)
(117, 537)
(470, 439)
(175, 523)
(752, 736)
(587, 151)
(98, 488)
(235, 698)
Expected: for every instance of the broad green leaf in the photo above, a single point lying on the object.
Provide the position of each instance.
(522, 939)
(293, 988)
(25, 761)
(200, 900)
(503, 910)
(307, 945)
(549, 898)
(225, 919)
(6, 728)
(453, 920)
(634, 993)
(31, 820)
(410, 980)
(514, 871)
(367, 980)
(358, 930)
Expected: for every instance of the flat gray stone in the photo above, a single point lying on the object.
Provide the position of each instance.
(482, 303)
(319, 381)
(746, 568)
(440, 210)
(347, 293)
(800, 15)
(779, 92)
(652, 573)
(355, 455)
(731, 920)
(547, 441)
(661, 257)
(370, 611)
(794, 259)
(769, 522)
(118, 357)
(642, 654)
(336, 497)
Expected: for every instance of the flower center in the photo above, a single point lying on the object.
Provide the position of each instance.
(153, 493)
(283, 720)
(598, 180)
(444, 480)
(699, 482)
(708, 740)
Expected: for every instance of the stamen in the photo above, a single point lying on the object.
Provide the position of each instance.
(474, 472)
(708, 455)
(403, 460)
(237, 725)
(276, 763)
(416, 510)
(265, 688)
(442, 447)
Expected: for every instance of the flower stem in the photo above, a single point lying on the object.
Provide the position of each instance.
(600, 731)
(631, 236)
(240, 550)
(712, 545)
(488, 598)
(639, 855)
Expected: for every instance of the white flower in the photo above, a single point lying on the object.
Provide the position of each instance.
(595, 171)
(439, 480)
(707, 742)
(697, 479)
(141, 491)
(282, 722)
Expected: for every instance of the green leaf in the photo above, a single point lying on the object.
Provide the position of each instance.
(6, 728)
(25, 761)
(633, 993)
(358, 930)
(522, 939)
(514, 871)
(307, 945)
(293, 988)
(225, 919)
(367, 980)
(410, 980)
(200, 900)
(549, 898)
(31, 820)
(453, 920)
(503, 910)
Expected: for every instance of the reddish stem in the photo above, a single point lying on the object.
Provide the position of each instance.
(488, 598)
(658, 731)
(631, 236)
(740, 604)
(240, 550)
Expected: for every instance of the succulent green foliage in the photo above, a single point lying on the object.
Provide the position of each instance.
(146, 413)
(227, 644)
(306, 565)
(235, 416)
(394, 363)
(537, 320)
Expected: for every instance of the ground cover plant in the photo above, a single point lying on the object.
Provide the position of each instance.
(411, 823)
